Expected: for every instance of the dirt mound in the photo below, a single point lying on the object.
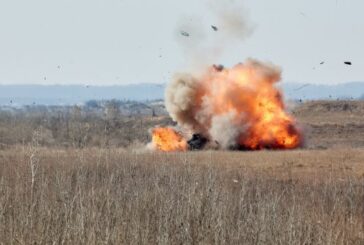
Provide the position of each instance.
(331, 124)
(331, 106)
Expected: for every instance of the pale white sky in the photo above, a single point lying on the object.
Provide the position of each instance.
(136, 41)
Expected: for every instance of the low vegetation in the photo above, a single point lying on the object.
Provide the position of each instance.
(115, 197)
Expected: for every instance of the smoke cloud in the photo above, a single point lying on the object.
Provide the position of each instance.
(232, 18)
(225, 124)
(203, 45)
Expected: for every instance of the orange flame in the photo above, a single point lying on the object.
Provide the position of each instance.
(167, 139)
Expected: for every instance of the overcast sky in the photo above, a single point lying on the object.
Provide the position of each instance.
(102, 42)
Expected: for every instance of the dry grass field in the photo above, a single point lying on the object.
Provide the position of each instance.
(110, 195)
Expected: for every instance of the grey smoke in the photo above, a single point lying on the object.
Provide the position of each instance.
(204, 46)
(232, 18)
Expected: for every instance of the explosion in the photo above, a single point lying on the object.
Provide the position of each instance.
(237, 108)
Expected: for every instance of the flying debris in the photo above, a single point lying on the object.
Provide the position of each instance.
(348, 63)
(323, 62)
(184, 33)
(303, 86)
(59, 67)
(218, 67)
(214, 28)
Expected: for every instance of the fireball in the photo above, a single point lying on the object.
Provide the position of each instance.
(238, 108)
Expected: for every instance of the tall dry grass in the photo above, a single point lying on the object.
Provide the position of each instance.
(95, 196)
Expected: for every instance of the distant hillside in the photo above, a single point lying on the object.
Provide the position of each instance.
(75, 94)
(353, 90)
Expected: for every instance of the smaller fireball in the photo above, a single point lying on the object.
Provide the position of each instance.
(168, 139)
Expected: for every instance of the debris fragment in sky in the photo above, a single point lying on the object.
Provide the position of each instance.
(218, 67)
(214, 28)
(303, 86)
(348, 63)
(184, 33)
(323, 62)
